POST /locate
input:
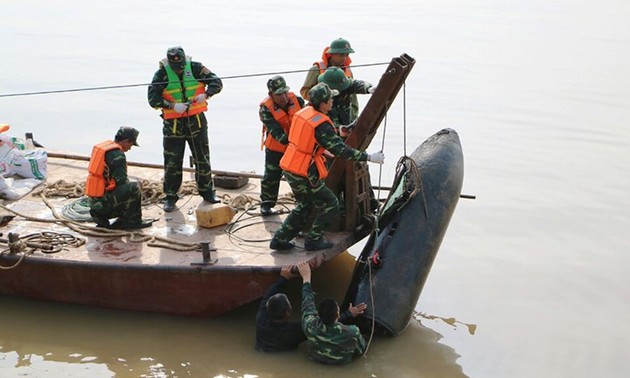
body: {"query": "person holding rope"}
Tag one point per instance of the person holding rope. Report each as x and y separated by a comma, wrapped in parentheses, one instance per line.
(312, 133)
(181, 88)
(276, 112)
(111, 194)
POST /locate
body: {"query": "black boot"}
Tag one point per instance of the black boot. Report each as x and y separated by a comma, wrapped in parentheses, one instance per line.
(211, 197)
(99, 220)
(169, 205)
(317, 244)
(280, 245)
(122, 225)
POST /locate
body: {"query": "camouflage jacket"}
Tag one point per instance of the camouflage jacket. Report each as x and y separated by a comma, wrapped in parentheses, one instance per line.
(343, 112)
(116, 162)
(330, 344)
(311, 81)
(328, 138)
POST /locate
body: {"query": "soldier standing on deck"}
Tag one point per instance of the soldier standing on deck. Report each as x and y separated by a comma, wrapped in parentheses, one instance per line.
(335, 55)
(180, 88)
(276, 112)
(304, 166)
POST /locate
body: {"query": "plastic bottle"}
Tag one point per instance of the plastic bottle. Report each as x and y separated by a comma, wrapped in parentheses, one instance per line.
(28, 142)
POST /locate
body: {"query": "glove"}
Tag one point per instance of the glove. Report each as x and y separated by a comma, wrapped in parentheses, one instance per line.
(180, 108)
(371, 90)
(377, 157)
(201, 98)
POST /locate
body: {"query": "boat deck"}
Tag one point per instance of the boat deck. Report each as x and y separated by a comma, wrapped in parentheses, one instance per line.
(247, 245)
(127, 270)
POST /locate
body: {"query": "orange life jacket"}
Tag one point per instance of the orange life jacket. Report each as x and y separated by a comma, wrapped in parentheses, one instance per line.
(303, 149)
(175, 93)
(323, 64)
(97, 184)
(283, 118)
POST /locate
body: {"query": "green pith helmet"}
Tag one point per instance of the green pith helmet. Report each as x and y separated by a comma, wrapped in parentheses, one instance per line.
(340, 46)
(335, 78)
(320, 94)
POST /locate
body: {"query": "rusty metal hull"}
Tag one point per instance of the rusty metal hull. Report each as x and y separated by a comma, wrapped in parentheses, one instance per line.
(172, 290)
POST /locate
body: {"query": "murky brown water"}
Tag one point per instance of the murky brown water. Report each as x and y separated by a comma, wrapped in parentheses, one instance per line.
(536, 266)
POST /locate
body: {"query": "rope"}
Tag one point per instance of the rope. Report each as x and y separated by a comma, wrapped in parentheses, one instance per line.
(152, 191)
(373, 328)
(248, 203)
(404, 118)
(132, 236)
(22, 257)
(105, 87)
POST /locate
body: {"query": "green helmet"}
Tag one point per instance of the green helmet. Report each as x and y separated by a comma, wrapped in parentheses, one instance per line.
(335, 78)
(340, 46)
(321, 93)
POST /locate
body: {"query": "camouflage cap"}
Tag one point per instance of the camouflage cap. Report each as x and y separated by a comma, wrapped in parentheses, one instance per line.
(335, 78)
(340, 46)
(277, 85)
(176, 57)
(127, 133)
(321, 93)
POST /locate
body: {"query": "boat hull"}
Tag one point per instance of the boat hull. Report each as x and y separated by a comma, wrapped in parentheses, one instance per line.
(395, 263)
(203, 292)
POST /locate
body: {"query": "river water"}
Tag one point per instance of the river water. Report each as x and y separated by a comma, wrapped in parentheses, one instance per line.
(532, 277)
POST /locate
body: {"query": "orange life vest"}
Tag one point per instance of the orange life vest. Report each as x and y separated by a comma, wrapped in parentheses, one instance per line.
(303, 149)
(323, 64)
(283, 118)
(97, 184)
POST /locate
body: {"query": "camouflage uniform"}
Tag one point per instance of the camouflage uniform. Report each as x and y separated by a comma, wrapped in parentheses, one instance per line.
(343, 111)
(312, 195)
(124, 201)
(352, 100)
(270, 183)
(179, 131)
(329, 344)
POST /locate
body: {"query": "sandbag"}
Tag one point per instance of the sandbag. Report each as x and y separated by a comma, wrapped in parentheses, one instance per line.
(14, 159)
(30, 163)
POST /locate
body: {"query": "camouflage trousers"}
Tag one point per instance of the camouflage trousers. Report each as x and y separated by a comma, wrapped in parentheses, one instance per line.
(270, 183)
(316, 201)
(196, 135)
(124, 201)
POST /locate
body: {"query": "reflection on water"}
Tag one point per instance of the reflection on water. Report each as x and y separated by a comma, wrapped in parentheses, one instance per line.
(56, 340)
(472, 328)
